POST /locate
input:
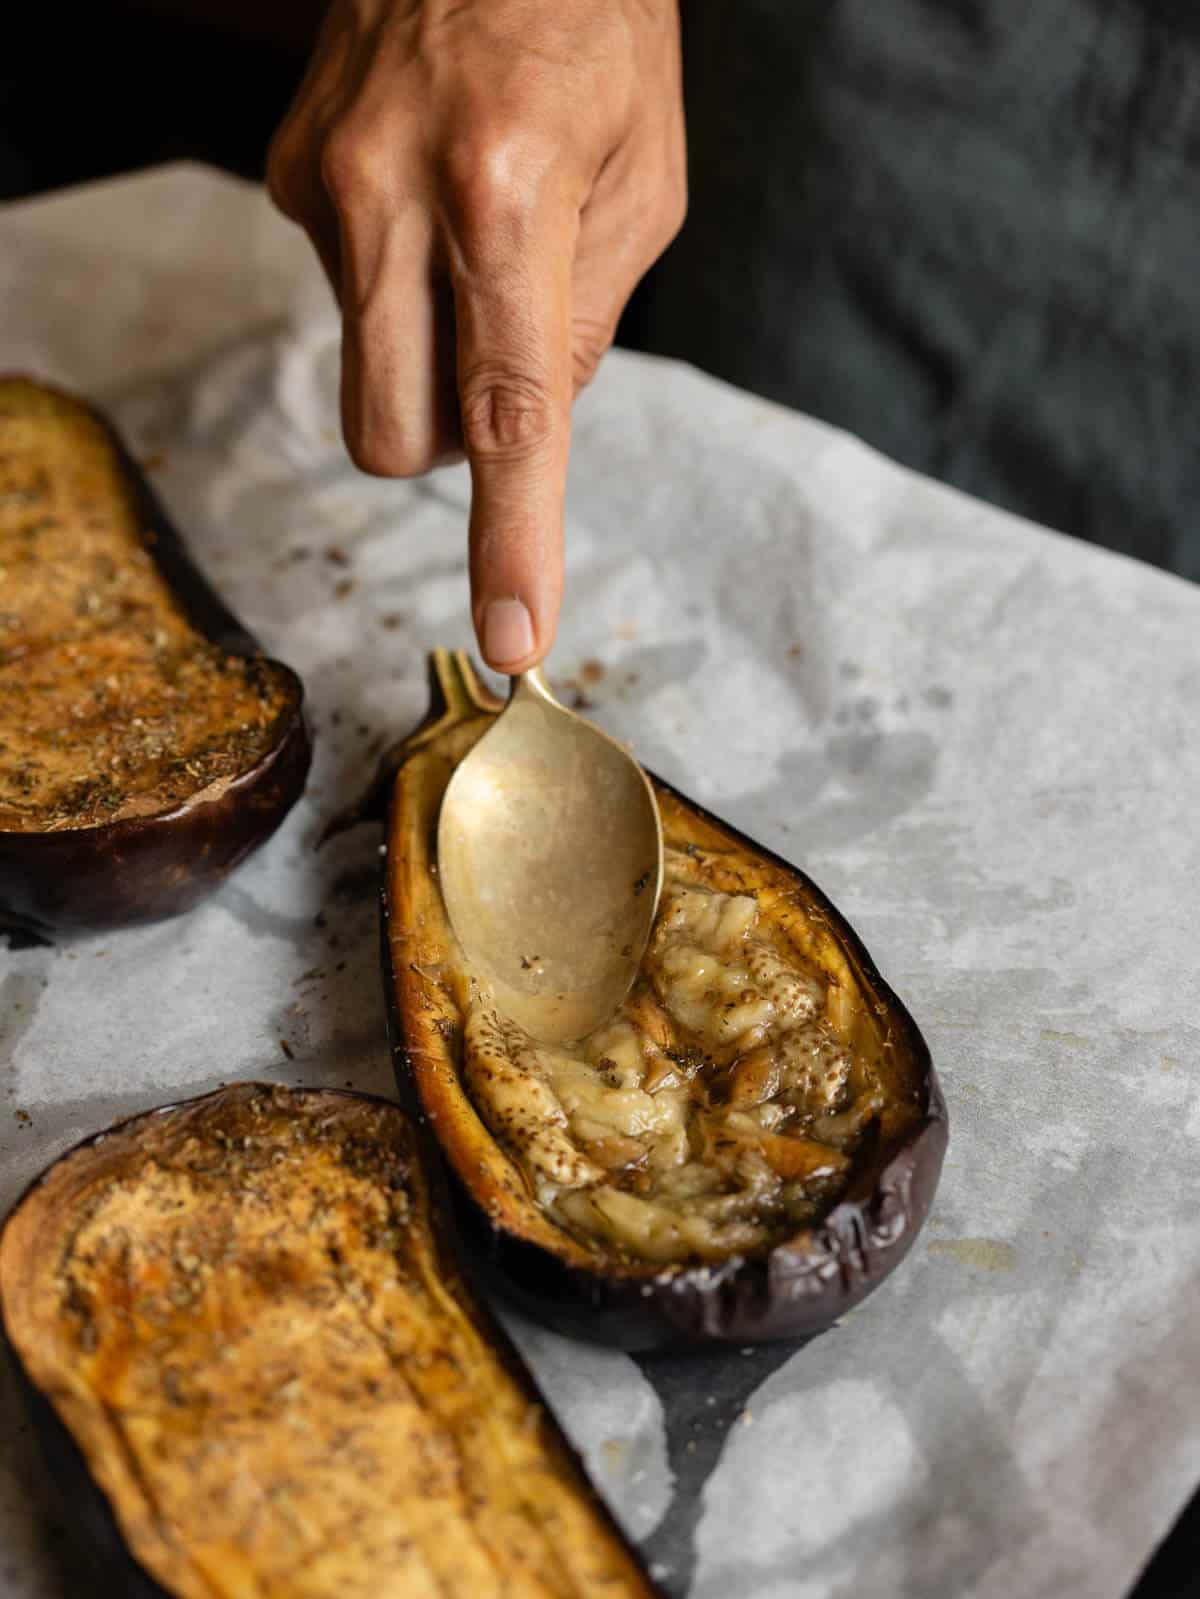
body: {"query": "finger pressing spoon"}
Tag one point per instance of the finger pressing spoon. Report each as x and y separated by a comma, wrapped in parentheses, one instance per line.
(550, 856)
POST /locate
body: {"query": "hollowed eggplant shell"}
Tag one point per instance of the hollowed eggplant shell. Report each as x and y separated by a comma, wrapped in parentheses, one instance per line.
(793, 1291)
(143, 869)
(109, 1504)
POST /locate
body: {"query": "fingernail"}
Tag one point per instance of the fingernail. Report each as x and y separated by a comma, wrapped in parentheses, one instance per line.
(507, 632)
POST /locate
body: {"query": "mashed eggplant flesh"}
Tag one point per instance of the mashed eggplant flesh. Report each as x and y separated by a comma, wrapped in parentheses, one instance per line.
(720, 1110)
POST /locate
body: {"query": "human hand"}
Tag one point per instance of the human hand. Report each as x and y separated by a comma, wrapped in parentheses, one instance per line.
(485, 181)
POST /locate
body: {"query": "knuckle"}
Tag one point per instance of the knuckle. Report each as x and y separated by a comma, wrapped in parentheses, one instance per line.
(350, 166)
(385, 455)
(492, 178)
(506, 415)
(383, 444)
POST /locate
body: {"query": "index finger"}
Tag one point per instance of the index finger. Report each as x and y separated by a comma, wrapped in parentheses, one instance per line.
(510, 266)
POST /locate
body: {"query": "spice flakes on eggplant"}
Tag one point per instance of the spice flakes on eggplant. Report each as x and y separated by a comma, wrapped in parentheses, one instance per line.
(244, 1312)
(744, 1153)
(112, 705)
(719, 1111)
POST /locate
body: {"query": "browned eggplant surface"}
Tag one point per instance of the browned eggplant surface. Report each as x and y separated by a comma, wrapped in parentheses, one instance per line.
(145, 744)
(743, 1152)
(244, 1313)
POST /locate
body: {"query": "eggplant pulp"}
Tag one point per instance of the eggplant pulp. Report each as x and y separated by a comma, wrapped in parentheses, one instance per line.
(786, 1130)
(146, 744)
(244, 1313)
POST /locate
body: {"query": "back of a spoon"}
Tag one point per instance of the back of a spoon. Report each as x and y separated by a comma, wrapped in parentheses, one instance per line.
(550, 858)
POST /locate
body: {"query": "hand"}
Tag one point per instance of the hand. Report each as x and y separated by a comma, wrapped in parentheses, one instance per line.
(485, 181)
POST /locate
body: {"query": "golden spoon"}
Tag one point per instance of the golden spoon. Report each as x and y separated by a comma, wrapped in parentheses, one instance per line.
(550, 856)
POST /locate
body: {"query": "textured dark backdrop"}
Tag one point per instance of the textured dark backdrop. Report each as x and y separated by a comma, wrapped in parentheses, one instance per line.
(967, 230)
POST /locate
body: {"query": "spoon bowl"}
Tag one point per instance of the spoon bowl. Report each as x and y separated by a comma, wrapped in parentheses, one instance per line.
(550, 858)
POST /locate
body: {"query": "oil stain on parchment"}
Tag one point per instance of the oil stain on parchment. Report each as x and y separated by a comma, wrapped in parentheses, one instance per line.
(986, 1254)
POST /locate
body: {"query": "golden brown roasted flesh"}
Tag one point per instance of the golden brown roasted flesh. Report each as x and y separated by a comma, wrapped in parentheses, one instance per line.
(112, 705)
(245, 1314)
(755, 1076)
(719, 1110)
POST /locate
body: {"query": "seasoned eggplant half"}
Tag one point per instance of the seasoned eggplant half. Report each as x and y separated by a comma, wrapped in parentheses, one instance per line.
(743, 1154)
(259, 1372)
(146, 744)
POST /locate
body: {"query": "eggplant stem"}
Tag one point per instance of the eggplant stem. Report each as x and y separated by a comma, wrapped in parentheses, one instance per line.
(456, 690)
(456, 695)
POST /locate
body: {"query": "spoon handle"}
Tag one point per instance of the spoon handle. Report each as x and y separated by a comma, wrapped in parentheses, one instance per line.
(531, 685)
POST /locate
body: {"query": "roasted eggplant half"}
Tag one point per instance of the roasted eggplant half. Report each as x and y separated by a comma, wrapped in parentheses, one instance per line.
(742, 1155)
(146, 744)
(258, 1371)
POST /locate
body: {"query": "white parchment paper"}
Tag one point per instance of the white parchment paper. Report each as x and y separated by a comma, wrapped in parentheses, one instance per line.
(978, 737)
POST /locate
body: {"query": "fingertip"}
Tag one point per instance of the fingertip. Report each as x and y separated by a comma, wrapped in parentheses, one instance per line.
(507, 635)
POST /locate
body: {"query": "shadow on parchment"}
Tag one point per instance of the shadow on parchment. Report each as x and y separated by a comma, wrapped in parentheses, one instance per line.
(964, 1447)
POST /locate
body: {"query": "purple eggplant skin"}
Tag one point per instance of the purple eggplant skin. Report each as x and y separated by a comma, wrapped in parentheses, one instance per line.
(96, 1541)
(792, 1292)
(145, 869)
(789, 1294)
(88, 879)
(785, 1296)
